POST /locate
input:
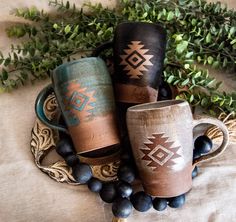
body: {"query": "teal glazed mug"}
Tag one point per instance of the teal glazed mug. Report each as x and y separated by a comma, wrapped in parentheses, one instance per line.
(84, 93)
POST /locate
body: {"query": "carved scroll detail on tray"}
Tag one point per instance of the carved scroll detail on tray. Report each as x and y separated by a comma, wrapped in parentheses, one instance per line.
(43, 140)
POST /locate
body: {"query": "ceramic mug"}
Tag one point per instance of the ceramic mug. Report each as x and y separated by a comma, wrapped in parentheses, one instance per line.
(84, 94)
(161, 136)
(138, 51)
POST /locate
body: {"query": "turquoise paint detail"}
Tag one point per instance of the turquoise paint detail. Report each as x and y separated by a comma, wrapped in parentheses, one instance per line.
(92, 75)
(39, 103)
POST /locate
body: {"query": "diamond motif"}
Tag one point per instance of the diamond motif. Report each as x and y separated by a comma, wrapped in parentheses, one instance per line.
(160, 155)
(78, 103)
(159, 152)
(135, 60)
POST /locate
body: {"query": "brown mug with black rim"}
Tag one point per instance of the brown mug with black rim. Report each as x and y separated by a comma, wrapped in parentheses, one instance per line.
(138, 51)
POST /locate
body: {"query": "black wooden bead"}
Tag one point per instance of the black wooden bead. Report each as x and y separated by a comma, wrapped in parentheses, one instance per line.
(124, 189)
(108, 192)
(164, 92)
(159, 204)
(177, 202)
(71, 160)
(122, 208)
(125, 157)
(202, 145)
(95, 185)
(82, 173)
(196, 154)
(141, 201)
(195, 172)
(65, 147)
(126, 173)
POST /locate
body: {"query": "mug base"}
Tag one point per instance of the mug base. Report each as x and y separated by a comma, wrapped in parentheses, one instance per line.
(166, 184)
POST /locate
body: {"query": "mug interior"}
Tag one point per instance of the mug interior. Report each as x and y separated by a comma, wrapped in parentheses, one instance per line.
(157, 105)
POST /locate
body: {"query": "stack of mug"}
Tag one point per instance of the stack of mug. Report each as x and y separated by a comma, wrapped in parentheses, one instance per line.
(160, 132)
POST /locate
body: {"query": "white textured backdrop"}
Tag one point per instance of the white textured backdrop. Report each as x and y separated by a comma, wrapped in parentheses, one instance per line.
(28, 195)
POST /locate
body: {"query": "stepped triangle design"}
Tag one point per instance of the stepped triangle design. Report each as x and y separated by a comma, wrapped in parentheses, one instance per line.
(159, 152)
(135, 59)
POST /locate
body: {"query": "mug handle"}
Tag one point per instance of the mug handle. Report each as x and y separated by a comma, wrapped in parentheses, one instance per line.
(106, 45)
(39, 104)
(209, 120)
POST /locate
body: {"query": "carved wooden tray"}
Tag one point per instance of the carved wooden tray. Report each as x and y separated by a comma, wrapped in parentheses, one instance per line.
(44, 139)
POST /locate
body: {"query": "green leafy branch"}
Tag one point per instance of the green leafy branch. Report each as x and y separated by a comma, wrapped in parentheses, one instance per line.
(198, 32)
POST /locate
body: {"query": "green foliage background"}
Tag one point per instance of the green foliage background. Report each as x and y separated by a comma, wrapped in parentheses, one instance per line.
(198, 32)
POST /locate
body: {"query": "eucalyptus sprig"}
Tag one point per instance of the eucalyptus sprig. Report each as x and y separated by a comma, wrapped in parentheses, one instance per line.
(199, 32)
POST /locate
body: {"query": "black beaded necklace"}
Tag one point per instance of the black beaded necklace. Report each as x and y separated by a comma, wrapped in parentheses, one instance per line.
(120, 193)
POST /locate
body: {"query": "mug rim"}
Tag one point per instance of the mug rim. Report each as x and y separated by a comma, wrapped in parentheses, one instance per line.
(74, 62)
(159, 105)
(154, 24)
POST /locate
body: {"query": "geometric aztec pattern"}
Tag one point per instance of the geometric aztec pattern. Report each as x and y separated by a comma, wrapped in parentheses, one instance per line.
(159, 153)
(135, 59)
(78, 102)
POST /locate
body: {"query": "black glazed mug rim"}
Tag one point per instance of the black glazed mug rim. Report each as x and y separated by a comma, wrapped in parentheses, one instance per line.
(157, 25)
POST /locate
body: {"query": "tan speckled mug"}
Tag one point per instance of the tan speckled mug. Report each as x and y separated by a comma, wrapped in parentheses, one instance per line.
(161, 136)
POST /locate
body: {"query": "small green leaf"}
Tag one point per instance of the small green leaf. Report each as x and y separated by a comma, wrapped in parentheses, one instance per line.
(189, 55)
(185, 82)
(73, 35)
(225, 62)
(100, 33)
(232, 30)
(67, 5)
(177, 12)
(198, 74)
(211, 82)
(191, 98)
(214, 98)
(145, 15)
(170, 79)
(194, 22)
(215, 64)
(210, 60)
(186, 66)
(4, 74)
(233, 41)
(170, 16)
(76, 29)
(221, 46)
(178, 37)
(7, 61)
(67, 29)
(222, 102)
(204, 102)
(208, 38)
(15, 56)
(181, 47)
(199, 59)
(176, 82)
(55, 26)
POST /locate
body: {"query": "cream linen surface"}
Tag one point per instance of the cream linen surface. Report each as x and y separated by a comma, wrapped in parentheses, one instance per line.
(28, 195)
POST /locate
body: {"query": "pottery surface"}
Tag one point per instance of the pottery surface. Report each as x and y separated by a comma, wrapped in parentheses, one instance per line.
(84, 93)
(161, 136)
(139, 51)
